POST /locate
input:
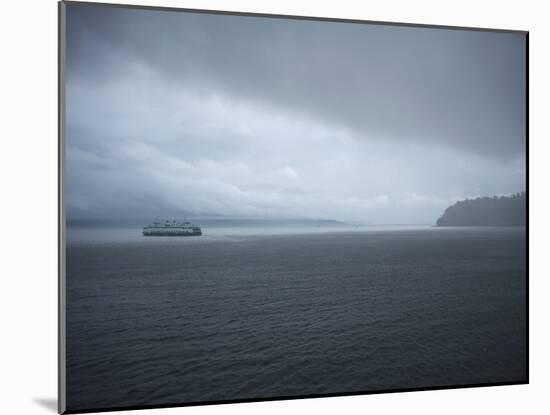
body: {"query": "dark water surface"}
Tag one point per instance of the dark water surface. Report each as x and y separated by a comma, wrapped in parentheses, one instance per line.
(174, 321)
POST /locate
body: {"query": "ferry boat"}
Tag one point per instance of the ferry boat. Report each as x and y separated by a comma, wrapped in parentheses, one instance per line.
(171, 228)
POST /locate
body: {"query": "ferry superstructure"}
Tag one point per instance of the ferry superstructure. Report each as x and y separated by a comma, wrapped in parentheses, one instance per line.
(172, 228)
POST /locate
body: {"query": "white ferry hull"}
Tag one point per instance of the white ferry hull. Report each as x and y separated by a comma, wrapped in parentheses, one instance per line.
(163, 232)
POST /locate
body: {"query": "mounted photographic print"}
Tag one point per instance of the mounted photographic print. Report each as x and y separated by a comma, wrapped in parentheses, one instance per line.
(258, 207)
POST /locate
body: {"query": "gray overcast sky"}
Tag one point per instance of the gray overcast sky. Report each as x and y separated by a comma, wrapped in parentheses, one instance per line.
(171, 113)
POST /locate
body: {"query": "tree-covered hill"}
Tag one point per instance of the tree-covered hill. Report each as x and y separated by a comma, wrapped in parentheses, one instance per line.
(487, 211)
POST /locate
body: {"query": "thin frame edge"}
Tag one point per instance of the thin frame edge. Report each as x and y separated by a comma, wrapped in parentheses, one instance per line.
(291, 17)
(61, 378)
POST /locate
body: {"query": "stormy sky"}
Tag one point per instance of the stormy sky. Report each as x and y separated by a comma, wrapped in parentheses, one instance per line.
(176, 113)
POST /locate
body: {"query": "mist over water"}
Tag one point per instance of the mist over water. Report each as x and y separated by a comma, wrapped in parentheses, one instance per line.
(105, 234)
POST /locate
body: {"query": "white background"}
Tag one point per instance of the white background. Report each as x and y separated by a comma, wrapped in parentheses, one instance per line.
(28, 163)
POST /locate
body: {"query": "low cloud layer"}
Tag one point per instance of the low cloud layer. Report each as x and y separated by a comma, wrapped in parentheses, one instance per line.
(172, 113)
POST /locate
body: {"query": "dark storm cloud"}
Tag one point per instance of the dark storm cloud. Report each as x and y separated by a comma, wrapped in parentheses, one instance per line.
(463, 89)
(174, 113)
